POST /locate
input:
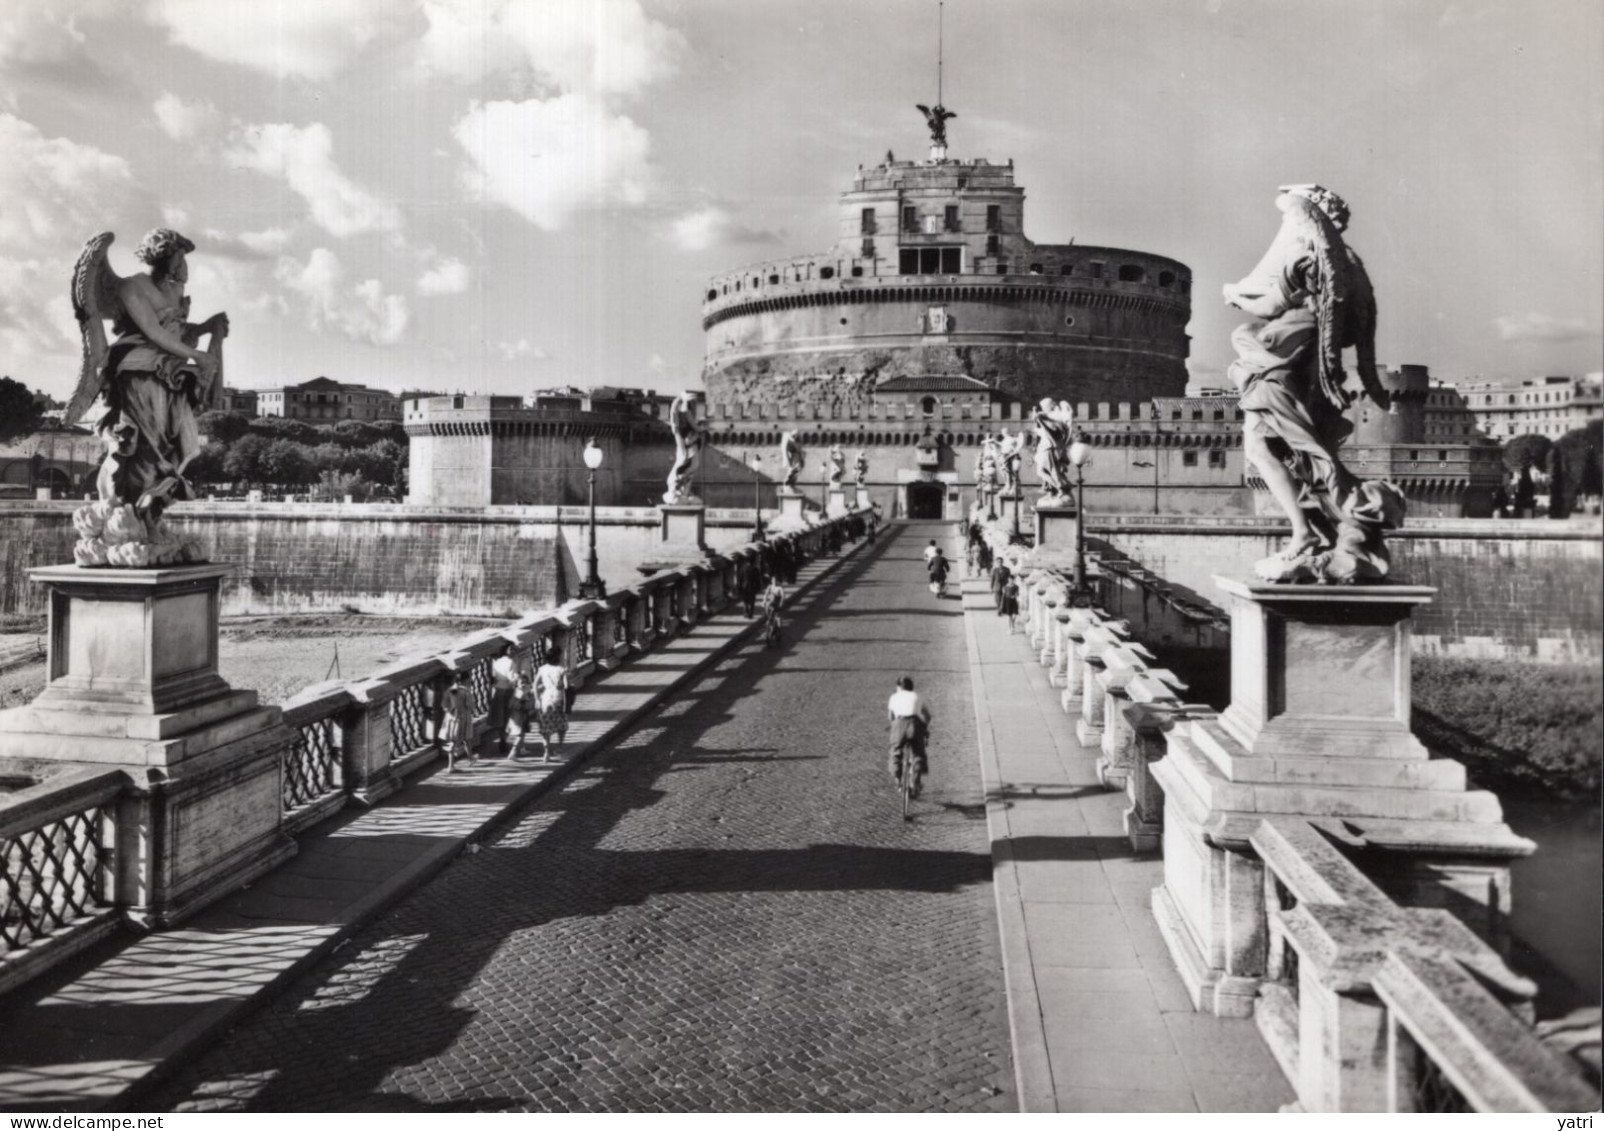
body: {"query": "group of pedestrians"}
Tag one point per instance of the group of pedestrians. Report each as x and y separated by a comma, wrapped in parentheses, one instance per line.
(521, 701)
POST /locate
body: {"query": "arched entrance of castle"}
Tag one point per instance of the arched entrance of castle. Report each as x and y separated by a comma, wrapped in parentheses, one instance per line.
(926, 500)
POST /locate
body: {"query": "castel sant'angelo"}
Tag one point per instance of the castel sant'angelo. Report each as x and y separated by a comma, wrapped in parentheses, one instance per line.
(933, 275)
(933, 323)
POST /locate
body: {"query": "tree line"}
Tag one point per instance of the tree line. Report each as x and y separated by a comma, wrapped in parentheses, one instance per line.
(352, 457)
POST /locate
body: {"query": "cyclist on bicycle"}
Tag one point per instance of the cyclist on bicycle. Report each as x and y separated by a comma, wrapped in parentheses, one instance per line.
(771, 601)
(910, 723)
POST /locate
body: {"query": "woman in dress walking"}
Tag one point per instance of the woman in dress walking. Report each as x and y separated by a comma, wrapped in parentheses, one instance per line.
(551, 700)
(456, 729)
(1008, 606)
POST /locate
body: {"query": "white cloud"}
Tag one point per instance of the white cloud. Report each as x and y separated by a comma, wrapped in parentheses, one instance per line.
(713, 227)
(546, 159)
(360, 311)
(44, 31)
(57, 194)
(182, 120)
(303, 157)
(446, 277)
(311, 39)
(599, 47)
(1541, 328)
(512, 351)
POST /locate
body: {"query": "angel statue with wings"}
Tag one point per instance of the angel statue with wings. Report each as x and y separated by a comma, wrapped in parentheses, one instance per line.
(154, 379)
(936, 117)
(1311, 298)
(1010, 449)
(860, 468)
(791, 458)
(838, 465)
(687, 443)
(1055, 427)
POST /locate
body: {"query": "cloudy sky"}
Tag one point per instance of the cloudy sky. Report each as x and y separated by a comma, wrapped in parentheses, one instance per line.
(495, 195)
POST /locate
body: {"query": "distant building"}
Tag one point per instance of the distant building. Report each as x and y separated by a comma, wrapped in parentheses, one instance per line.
(241, 401)
(1548, 407)
(326, 401)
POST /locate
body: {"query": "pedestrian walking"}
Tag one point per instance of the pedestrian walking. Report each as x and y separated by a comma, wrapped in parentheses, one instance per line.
(551, 701)
(930, 552)
(1009, 606)
(999, 578)
(521, 714)
(751, 585)
(503, 681)
(938, 569)
(456, 728)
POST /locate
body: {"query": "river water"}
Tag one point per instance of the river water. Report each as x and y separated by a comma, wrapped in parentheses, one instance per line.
(1559, 900)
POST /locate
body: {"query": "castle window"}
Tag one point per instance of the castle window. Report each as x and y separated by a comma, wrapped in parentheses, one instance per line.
(950, 219)
(868, 249)
(857, 272)
(1197, 414)
(910, 218)
(1166, 278)
(928, 406)
(773, 279)
(1035, 268)
(866, 222)
(1175, 414)
(930, 261)
(963, 183)
(1189, 458)
(1131, 273)
(1067, 269)
(1002, 268)
(826, 272)
(1216, 458)
(712, 294)
(1219, 414)
(1097, 270)
(993, 217)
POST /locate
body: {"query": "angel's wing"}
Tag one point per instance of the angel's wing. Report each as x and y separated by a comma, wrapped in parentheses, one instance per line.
(1362, 330)
(922, 108)
(94, 299)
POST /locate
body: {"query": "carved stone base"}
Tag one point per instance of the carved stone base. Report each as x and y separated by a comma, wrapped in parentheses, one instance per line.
(133, 686)
(863, 498)
(1318, 728)
(837, 505)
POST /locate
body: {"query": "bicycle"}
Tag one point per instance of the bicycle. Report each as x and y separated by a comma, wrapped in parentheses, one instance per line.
(771, 628)
(908, 781)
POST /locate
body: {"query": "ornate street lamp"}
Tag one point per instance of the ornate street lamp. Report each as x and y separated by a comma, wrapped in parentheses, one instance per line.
(592, 587)
(824, 489)
(756, 464)
(1080, 455)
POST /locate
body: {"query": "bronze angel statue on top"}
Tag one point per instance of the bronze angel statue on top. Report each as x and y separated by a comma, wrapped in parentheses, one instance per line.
(1311, 298)
(936, 117)
(154, 379)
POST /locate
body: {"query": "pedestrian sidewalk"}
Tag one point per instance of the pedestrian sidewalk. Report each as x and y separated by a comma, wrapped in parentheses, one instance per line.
(101, 1029)
(1100, 1019)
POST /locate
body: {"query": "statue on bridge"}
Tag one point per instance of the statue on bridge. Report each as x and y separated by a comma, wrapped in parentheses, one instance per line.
(860, 467)
(154, 380)
(986, 470)
(1055, 428)
(791, 459)
(1011, 449)
(1311, 298)
(838, 465)
(687, 444)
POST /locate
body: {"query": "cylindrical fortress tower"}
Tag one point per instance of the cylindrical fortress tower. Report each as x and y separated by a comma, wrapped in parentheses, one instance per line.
(933, 275)
(1405, 421)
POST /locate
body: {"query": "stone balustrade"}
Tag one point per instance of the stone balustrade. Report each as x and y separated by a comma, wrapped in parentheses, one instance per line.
(74, 842)
(1370, 1006)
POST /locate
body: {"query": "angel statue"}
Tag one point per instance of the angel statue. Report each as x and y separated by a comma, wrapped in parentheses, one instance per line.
(791, 457)
(687, 443)
(986, 469)
(154, 379)
(936, 117)
(1311, 298)
(1055, 427)
(860, 468)
(1010, 447)
(838, 465)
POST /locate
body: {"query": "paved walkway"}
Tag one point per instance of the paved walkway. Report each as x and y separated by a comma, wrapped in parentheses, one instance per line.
(723, 911)
(1100, 1019)
(98, 1030)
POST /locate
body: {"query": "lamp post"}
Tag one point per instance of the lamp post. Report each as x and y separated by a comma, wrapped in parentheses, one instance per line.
(756, 464)
(592, 587)
(824, 489)
(1079, 455)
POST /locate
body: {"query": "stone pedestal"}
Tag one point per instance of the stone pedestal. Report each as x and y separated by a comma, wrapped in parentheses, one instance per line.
(133, 685)
(793, 513)
(682, 537)
(1056, 527)
(1318, 727)
(837, 505)
(863, 498)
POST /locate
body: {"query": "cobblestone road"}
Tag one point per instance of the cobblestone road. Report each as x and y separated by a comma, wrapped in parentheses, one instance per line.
(722, 912)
